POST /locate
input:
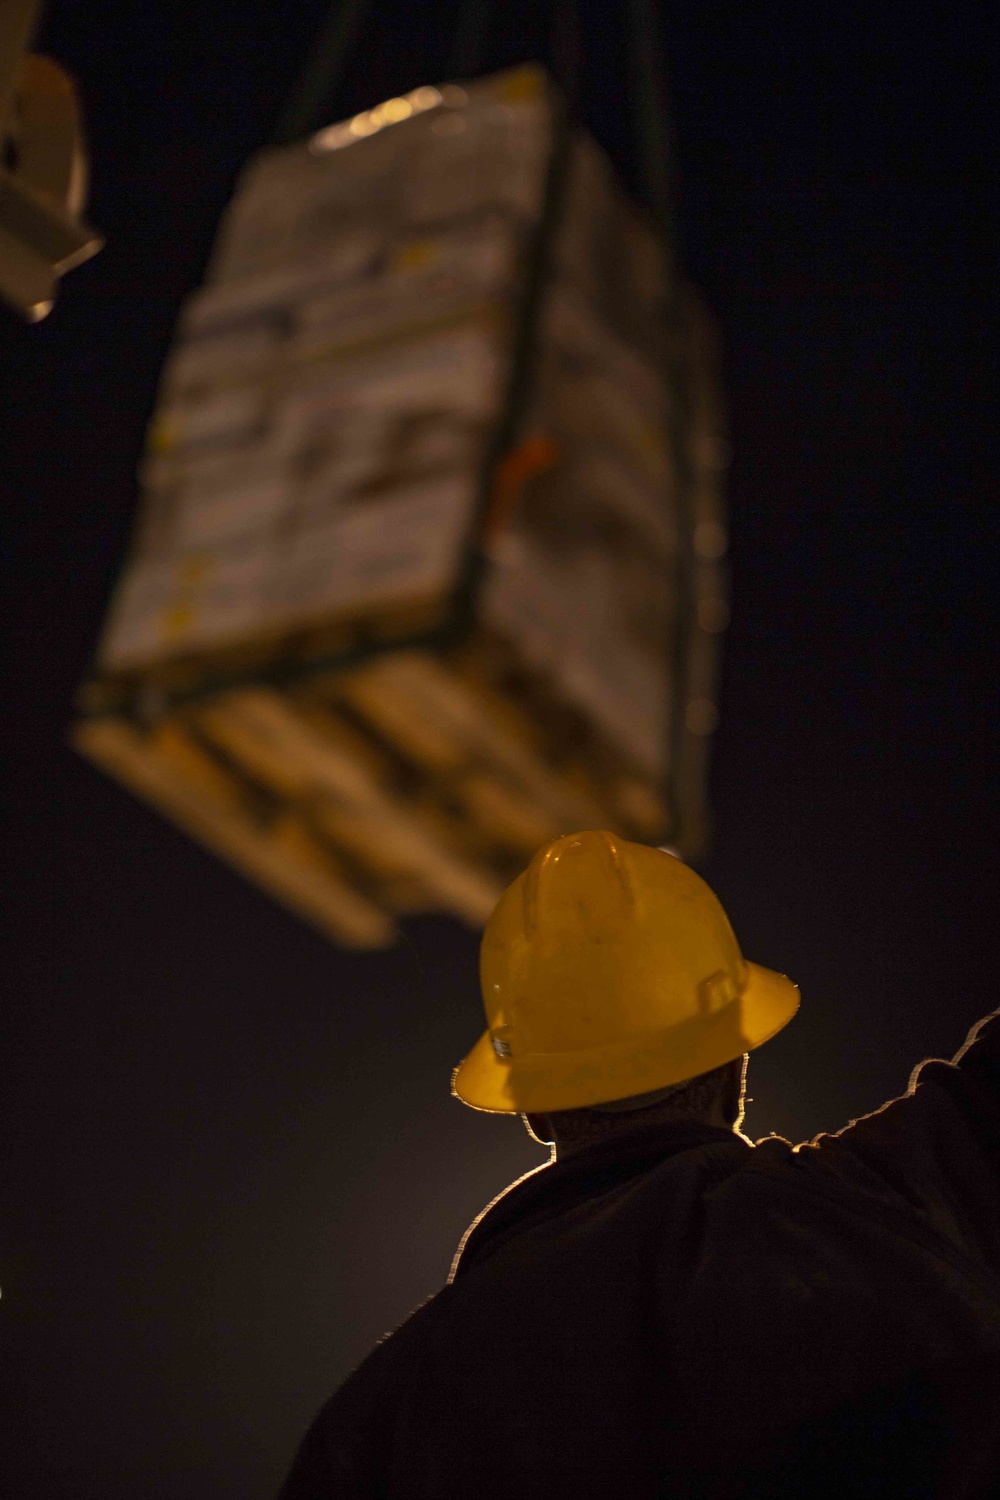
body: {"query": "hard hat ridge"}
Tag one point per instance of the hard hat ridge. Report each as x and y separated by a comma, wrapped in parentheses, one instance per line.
(553, 875)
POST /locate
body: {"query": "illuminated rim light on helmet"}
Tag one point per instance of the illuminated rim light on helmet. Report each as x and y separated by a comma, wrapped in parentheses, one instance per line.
(390, 112)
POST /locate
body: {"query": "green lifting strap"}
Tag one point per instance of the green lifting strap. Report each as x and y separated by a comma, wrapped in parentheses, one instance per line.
(652, 125)
(323, 75)
(472, 28)
(566, 45)
(654, 143)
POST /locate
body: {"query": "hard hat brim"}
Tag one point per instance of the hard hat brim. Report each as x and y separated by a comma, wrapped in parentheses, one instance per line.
(539, 1082)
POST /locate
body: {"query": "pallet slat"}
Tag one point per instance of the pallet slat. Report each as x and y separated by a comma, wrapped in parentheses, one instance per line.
(183, 783)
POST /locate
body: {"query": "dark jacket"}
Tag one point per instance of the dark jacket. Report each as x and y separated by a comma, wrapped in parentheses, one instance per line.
(678, 1312)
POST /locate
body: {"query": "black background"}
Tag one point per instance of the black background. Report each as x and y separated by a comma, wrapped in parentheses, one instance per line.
(230, 1158)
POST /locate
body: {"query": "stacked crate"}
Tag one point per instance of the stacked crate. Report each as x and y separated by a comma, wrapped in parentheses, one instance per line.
(415, 585)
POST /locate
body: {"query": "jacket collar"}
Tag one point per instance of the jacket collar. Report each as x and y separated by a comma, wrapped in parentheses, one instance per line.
(555, 1185)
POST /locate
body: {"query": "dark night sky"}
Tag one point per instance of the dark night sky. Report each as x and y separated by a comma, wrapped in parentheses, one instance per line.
(230, 1159)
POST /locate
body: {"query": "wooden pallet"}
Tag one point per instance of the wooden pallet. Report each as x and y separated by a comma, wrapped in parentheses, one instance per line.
(402, 785)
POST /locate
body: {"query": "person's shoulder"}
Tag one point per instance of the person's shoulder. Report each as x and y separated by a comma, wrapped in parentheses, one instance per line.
(388, 1363)
(343, 1451)
(394, 1344)
(928, 1157)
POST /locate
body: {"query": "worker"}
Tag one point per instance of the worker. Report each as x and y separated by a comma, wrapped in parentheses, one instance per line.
(666, 1309)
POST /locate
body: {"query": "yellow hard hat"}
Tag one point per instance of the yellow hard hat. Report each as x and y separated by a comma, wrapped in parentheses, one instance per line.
(610, 969)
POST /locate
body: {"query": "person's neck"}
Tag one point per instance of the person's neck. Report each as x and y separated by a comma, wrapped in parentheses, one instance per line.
(572, 1142)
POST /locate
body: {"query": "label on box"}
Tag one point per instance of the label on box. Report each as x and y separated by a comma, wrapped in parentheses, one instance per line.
(406, 546)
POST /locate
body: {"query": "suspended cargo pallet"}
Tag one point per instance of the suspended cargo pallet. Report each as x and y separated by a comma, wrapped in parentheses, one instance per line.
(428, 562)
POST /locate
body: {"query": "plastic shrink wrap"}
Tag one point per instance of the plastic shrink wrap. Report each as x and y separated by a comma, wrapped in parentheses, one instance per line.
(427, 567)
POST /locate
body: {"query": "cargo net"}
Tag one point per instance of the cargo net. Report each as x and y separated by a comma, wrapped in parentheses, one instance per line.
(421, 576)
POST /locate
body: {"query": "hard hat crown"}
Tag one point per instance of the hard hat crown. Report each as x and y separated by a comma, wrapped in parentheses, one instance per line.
(610, 969)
